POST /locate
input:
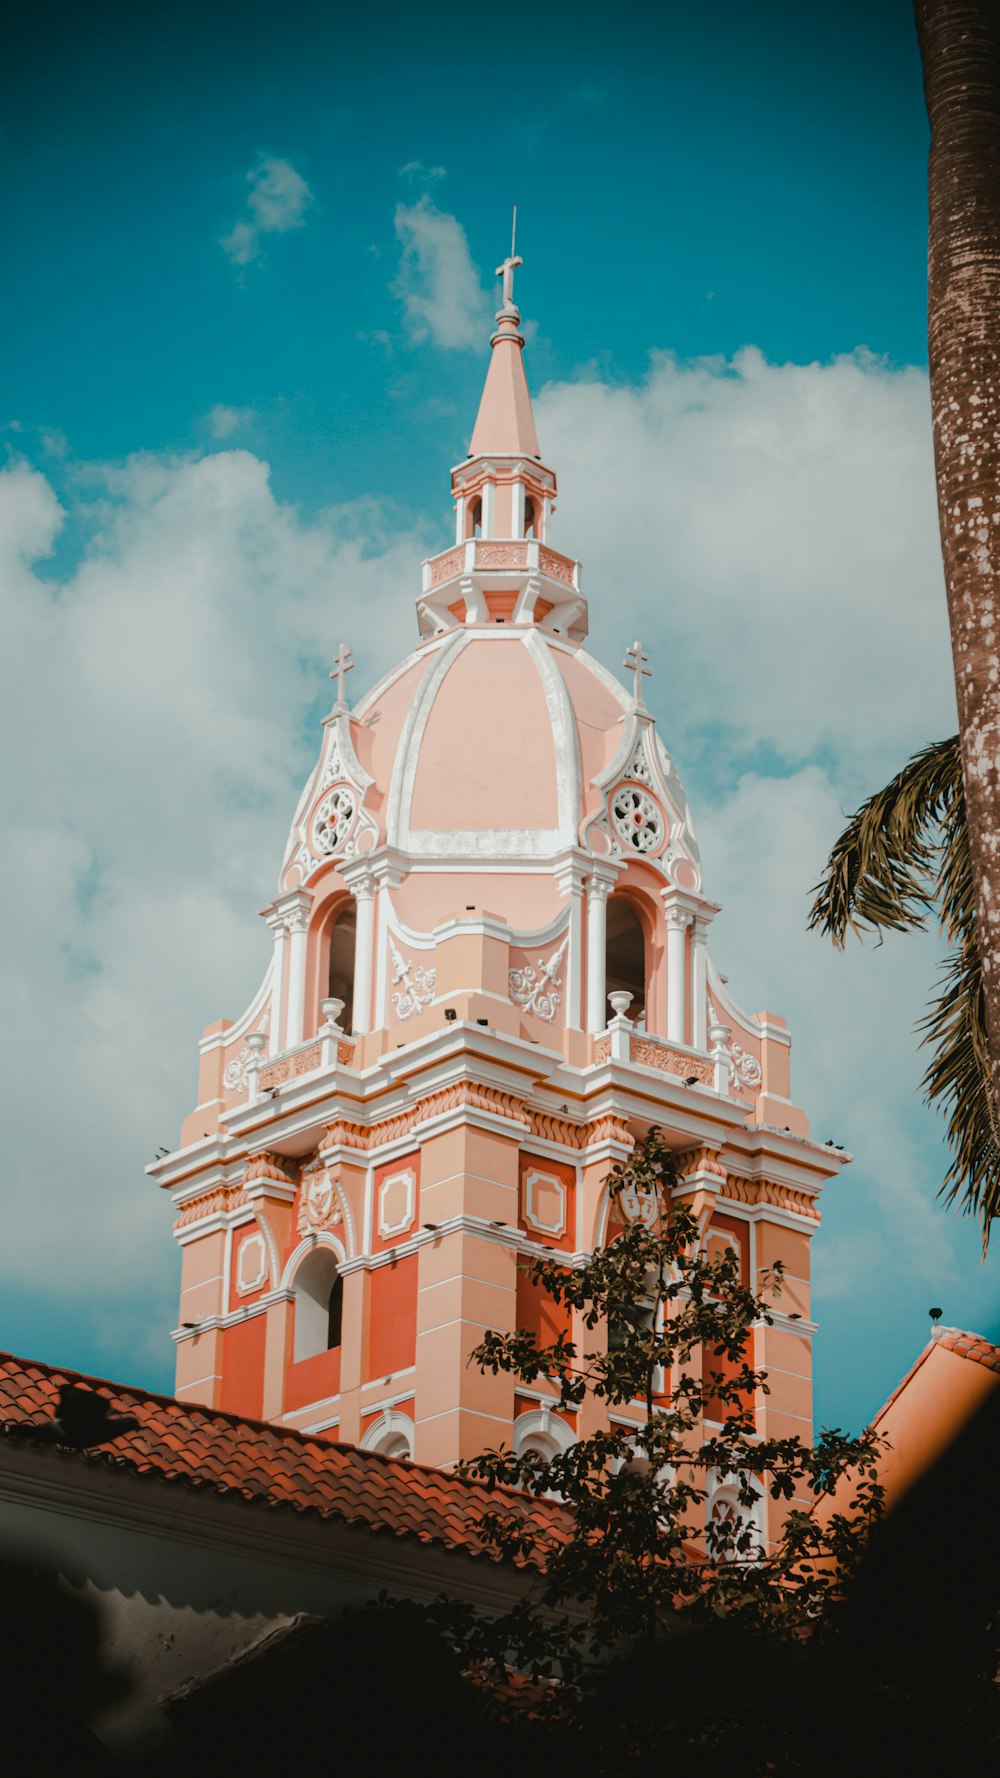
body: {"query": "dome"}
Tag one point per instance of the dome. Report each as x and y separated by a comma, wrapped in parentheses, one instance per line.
(493, 742)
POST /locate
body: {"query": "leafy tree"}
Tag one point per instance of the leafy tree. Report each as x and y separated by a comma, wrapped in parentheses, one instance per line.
(631, 1558)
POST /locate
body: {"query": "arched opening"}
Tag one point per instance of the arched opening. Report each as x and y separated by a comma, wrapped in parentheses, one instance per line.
(335, 1313)
(530, 523)
(340, 975)
(391, 1435)
(319, 1305)
(474, 518)
(625, 956)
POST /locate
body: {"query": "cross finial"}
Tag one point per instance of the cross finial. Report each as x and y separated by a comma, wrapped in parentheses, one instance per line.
(635, 659)
(506, 270)
(342, 665)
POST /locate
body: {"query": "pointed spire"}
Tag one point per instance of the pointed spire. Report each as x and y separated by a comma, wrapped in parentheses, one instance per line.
(505, 425)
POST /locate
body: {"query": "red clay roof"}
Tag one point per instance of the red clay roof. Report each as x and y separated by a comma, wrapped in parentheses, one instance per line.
(271, 1465)
(950, 1339)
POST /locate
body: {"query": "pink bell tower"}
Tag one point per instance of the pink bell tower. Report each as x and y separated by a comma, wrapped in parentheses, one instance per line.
(489, 975)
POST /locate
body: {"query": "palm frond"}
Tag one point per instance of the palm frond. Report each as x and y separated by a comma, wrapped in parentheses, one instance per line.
(904, 855)
(882, 872)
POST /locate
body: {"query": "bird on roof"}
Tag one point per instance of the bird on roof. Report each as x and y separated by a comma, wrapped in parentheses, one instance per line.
(83, 1419)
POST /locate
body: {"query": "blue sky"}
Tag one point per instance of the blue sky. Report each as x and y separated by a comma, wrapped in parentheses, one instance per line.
(247, 295)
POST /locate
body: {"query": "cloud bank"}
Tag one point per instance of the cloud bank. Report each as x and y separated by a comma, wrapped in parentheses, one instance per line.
(768, 530)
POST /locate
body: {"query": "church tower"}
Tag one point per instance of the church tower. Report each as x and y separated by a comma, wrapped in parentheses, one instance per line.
(490, 974)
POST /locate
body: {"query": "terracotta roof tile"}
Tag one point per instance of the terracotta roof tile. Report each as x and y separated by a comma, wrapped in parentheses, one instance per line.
(274, 1466)
(951, 1339)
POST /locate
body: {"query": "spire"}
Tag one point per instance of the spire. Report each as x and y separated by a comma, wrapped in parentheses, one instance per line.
(505, 425)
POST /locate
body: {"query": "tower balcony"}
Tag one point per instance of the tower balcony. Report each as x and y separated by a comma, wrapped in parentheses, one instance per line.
(497, 580)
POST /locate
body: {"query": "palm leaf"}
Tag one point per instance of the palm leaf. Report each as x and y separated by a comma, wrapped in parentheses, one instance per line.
(905, 855)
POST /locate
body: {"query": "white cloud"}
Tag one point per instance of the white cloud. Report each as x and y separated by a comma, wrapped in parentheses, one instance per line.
(437, 282)
(770, 532)
(155, 698)
(418, 174)
(773, 532)
(278, 201)
(224, 421)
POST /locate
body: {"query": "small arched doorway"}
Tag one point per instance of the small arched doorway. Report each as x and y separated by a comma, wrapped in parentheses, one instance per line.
(319, 1305)
(340, 974)
(625, 956)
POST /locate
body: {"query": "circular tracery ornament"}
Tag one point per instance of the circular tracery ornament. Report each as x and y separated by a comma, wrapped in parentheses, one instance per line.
(637, 819)
(332, 821)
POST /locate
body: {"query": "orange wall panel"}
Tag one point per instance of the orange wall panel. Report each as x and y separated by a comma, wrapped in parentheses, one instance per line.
(392, 1328)
(537, 1314)
(565, 1238)
(312, 1379)
(409, 1163)
(242, 1367)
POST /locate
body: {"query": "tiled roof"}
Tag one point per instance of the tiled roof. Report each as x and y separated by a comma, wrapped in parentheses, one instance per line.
(970, 1345)
(949, 1339)
(204, 1448)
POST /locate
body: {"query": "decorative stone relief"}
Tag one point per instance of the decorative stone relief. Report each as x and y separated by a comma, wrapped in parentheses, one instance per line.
(333, 820)
(447, 565)
(637, 819)
(744, 1066)
(396, 1203)
(501, 555)
(532, 988)
(319, 1205)
(656, 1055)
(556, 566)
(418, 986)
(251, 1264)
(637, 1205)
(234, 1076)
(544, 1203)
(290, 1067)
(744, 1069)
(638, 765)
(334, 767)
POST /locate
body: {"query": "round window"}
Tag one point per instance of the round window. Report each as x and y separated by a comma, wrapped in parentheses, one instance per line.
(637, 819)
(332, 821)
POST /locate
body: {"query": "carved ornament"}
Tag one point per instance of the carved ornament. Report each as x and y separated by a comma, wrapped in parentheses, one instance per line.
(532, 989)
(290, 1067)
(656, 1055)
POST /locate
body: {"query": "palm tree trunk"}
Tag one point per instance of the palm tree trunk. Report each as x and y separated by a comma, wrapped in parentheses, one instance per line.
(960, 47)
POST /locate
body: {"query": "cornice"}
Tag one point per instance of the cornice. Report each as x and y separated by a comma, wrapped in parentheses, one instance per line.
(61, 1483)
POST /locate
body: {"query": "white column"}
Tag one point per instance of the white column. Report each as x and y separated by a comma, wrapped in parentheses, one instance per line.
(298, 925)
(364, 950)
(678, 922)
(517, 520)
(597, 935)
(574, 974)
(277, 1022)
(569, 878)
(699, 985)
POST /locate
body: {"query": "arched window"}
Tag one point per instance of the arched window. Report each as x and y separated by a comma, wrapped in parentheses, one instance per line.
(474, 518)
(391, 1434)
(335, 1313)
(625, 960)
(319, 1299)
(734, 1530)
(542, 1432)
(341, 970)
(529, 518)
